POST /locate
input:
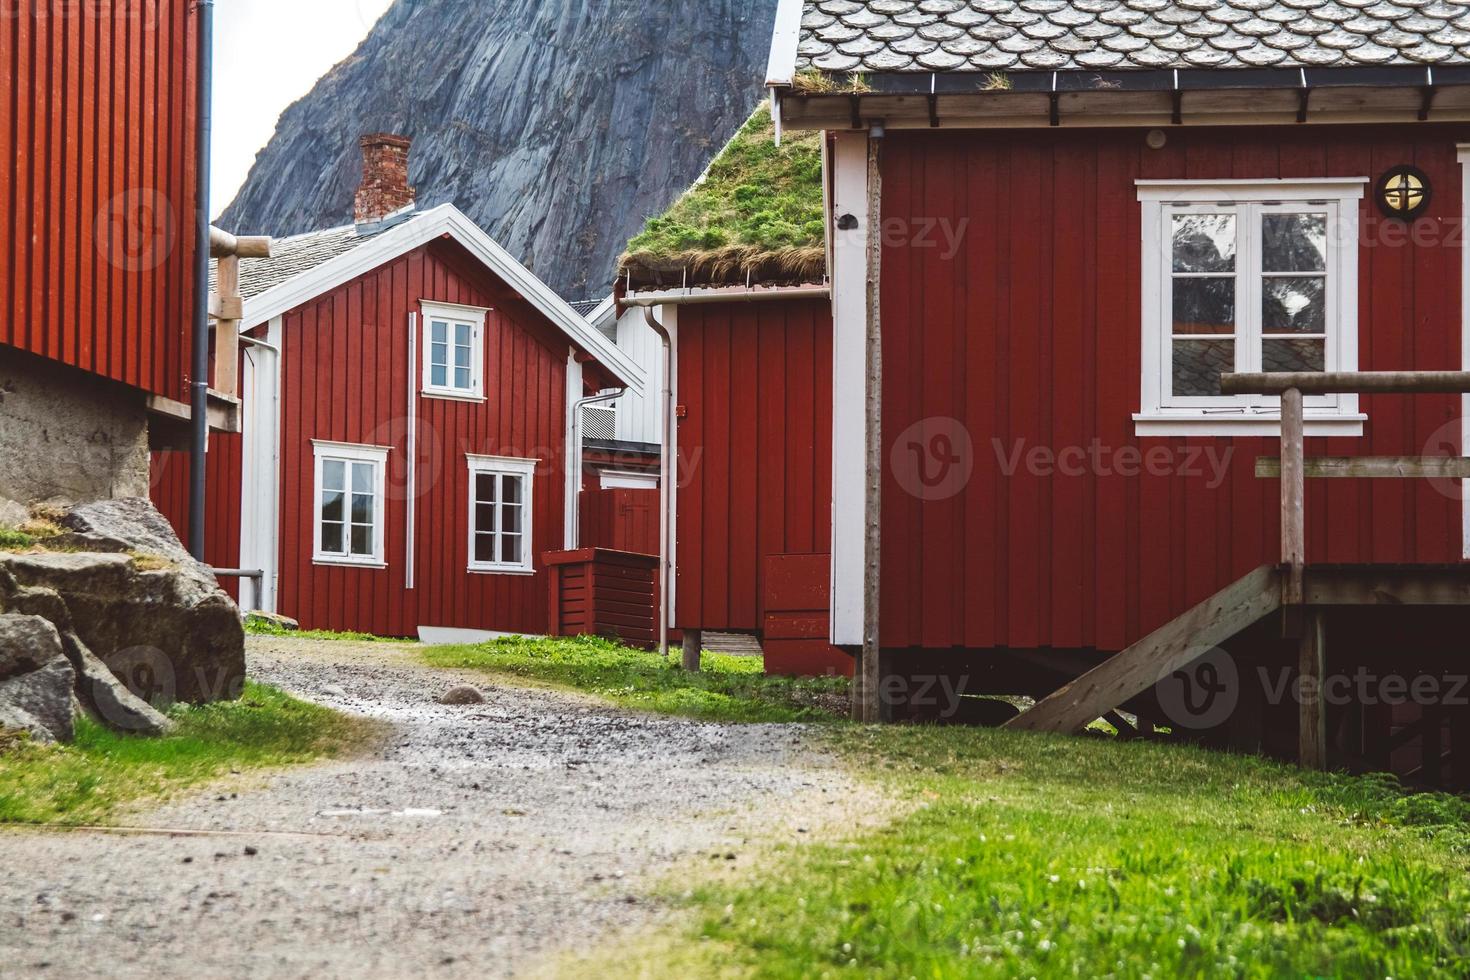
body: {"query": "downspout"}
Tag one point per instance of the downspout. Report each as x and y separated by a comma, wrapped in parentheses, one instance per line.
(575, 464)
(665, 469)
(199, 380)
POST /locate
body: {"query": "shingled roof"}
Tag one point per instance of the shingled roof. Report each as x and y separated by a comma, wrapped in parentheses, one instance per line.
(1113, 35)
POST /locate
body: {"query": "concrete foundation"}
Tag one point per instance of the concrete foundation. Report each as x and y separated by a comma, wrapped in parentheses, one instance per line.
(66, 436)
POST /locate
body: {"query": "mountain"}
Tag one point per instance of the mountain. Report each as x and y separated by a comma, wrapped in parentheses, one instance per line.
(559, 126)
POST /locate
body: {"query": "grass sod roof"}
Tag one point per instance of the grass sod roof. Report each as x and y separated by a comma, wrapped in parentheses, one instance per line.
(754, 216)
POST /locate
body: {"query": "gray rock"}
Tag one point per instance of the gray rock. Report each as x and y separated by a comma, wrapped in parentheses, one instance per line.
(131, 522)
(37, 700)
(106, 698)
(12, 514)
(557, 126)
(257, 616)
(168, 634)
(461, 695)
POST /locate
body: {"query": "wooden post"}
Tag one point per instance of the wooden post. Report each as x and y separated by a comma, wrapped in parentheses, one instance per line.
(867, 699)
(693, 644)
(1312, 711)
(1293, 506)
(227, 326)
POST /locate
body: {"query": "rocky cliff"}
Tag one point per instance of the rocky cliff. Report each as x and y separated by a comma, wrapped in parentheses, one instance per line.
(557, 125)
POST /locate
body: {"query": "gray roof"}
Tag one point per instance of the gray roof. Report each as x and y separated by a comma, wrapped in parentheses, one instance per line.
(1108, 35)
(290, 257)
(585, 307)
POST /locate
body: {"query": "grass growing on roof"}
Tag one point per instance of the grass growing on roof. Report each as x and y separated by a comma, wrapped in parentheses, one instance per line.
(84, 782)
(756, 202)
(726, 688)
(1044, 856)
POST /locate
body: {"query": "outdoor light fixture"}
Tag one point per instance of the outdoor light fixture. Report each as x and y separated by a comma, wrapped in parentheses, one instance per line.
(1403, 192)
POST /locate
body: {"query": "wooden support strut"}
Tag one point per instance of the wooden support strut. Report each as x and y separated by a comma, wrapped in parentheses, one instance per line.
(1374, 467)
(1293, 506)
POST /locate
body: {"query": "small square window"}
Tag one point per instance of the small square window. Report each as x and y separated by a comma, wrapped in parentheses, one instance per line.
(454, 351)
(349, 503)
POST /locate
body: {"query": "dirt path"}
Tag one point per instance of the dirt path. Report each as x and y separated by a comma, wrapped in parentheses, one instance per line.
(476, 841)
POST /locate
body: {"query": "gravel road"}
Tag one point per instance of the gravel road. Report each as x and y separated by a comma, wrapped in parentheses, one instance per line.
(474, 841)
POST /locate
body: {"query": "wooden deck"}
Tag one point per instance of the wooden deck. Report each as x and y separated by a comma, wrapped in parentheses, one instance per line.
(1372, 675)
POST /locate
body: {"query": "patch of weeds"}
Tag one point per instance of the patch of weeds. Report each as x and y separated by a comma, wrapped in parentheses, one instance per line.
(264, 627)
(725, 689)
(85, 781)
(996, 81)
(16, 540)
(150, 563)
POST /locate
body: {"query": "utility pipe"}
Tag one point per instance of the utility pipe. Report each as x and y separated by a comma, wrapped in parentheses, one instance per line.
(576, 462)
(199, 380)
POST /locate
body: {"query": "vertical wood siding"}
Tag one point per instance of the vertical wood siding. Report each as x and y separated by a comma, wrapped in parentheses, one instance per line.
(1030, 336)
(97, 152)
(345, 380)
(755, 452)
(169, 490)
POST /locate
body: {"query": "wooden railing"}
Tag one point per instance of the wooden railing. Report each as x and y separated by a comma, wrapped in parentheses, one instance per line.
(1293, 467)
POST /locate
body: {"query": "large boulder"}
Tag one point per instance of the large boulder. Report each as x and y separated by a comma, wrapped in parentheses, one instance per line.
(36, 679)
(165, 629)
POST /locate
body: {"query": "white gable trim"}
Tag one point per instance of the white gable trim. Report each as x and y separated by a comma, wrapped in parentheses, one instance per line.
(785, 38)
(446, 219)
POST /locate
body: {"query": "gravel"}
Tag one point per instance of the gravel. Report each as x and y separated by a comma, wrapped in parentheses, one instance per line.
(482, 839)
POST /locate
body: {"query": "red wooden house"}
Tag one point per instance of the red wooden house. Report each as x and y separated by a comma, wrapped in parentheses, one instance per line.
(407, 389)
(97, 244)
(1055, 228)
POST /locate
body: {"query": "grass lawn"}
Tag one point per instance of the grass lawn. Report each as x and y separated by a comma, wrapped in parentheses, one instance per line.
(1040, 856)
(726, 689)
(84, 782)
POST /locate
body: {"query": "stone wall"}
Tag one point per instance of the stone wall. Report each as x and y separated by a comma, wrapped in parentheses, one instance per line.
(66, 436)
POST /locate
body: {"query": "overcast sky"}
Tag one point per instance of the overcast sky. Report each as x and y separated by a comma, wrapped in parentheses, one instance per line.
(268, 54)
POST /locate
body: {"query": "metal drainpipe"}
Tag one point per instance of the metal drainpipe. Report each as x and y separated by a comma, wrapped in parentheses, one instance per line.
(576, 461)
(665, 469)
(199, 381)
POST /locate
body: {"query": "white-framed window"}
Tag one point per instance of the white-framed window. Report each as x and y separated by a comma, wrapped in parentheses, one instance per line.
(348, 503)
(454, 351)
(1246, 276)
(500, 513)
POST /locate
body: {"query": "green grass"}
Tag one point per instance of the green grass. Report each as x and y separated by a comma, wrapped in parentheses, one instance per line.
(726, 689)
(84, 782)
(1037, 856)
(755, 194)
(261, 627)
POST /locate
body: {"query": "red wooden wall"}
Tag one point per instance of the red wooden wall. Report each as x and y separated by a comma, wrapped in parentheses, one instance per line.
(1032, 332)
(169, 490)
(345, 379)
(755, 452)
(621, 519)
(97, 158)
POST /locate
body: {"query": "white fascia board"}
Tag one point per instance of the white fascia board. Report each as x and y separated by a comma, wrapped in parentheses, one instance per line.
(605, 316)
(785, 37)
(446, 219)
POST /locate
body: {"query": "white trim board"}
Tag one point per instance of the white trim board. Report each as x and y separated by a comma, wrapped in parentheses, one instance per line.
(849, 161)
(1463, 154)
(444, 220)
(785, 38)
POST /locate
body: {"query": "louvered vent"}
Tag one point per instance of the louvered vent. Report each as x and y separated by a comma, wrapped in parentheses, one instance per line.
(599, 422)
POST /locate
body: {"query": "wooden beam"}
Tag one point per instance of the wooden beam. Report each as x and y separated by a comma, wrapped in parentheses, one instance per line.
(1373, 467)
(1293, 496)
(1385, 586)
(227, 328)
(1172, 646)
(1311, 708)
(693, 644)
(1348, 382)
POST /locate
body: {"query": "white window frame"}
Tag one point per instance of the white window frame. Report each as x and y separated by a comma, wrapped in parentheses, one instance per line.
(350, 453)
(1161, 412)
(454, 315)
(503, 466)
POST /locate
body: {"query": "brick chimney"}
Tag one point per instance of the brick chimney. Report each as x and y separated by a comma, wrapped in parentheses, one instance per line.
(384, 189)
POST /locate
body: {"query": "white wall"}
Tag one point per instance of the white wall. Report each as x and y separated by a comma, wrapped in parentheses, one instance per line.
(639, 419)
